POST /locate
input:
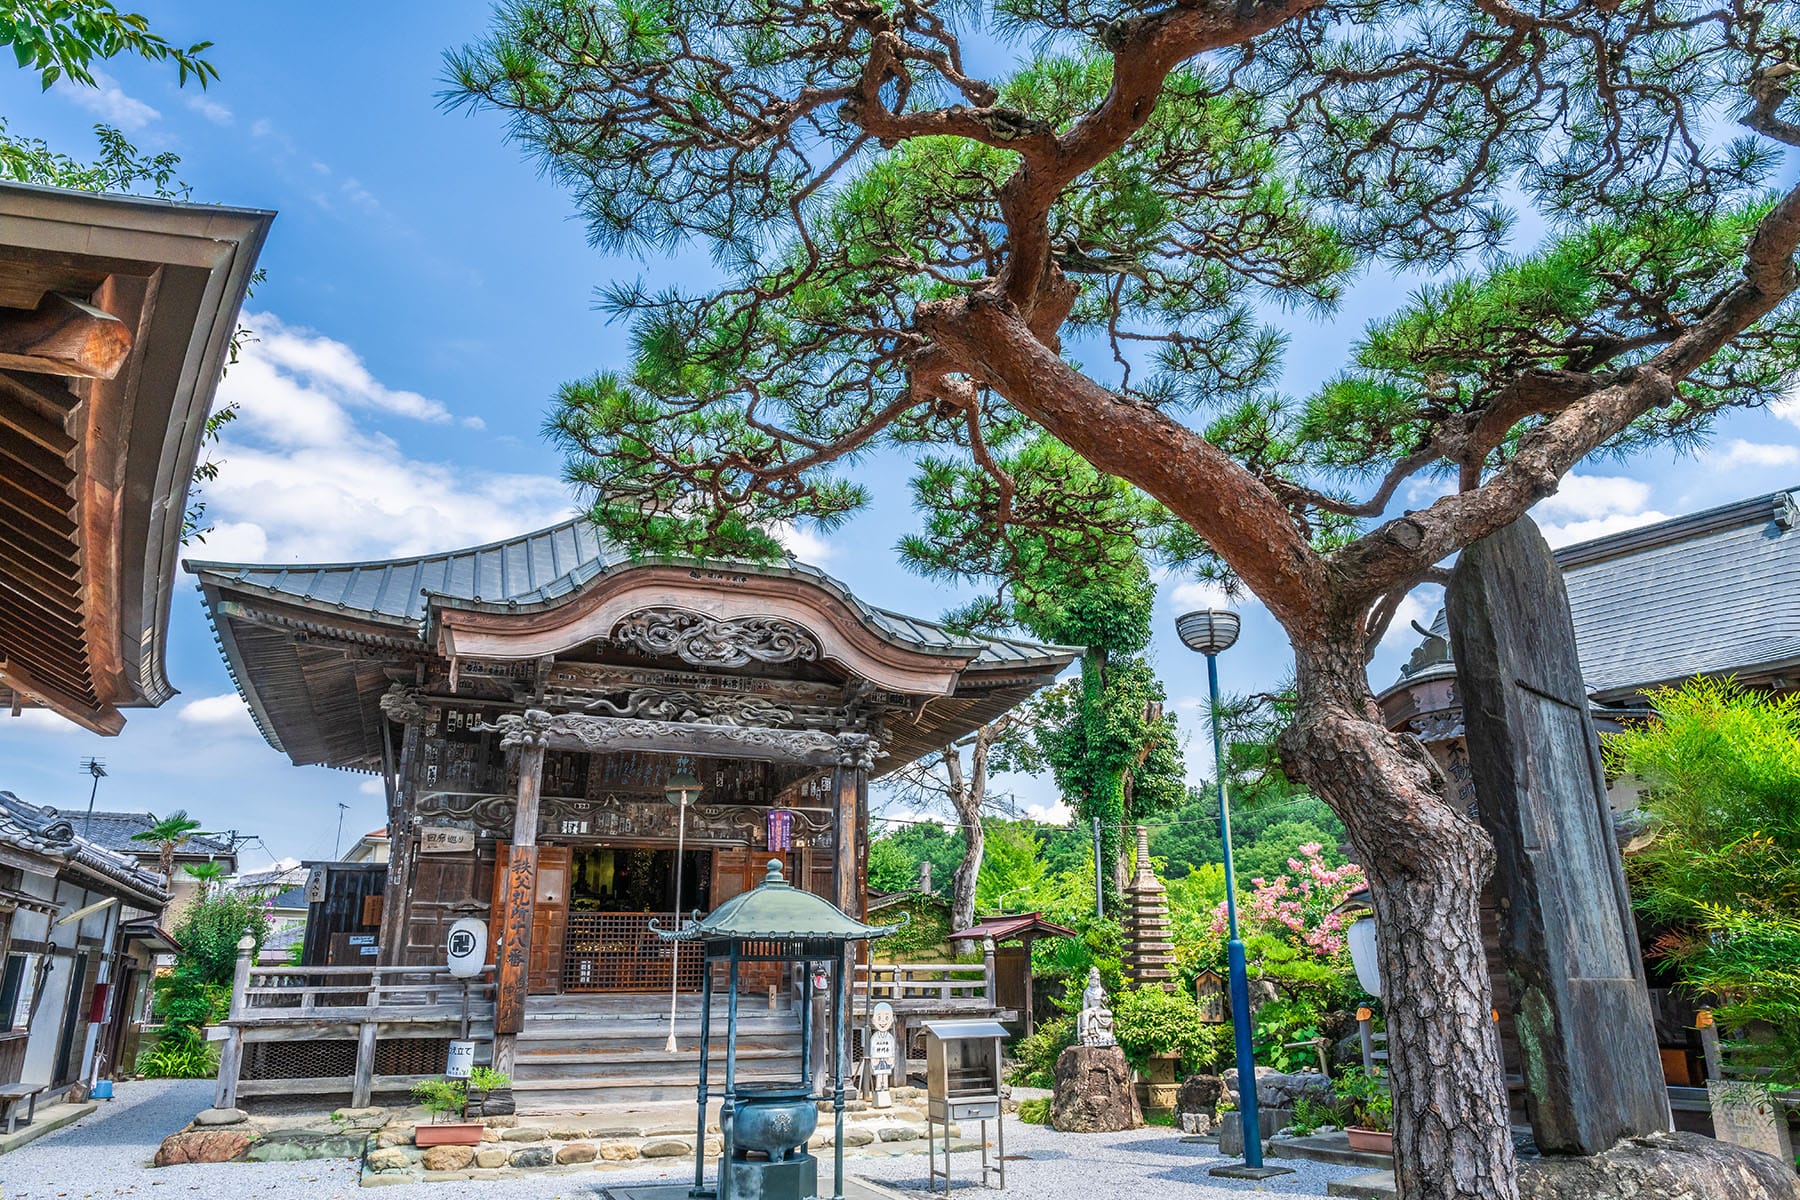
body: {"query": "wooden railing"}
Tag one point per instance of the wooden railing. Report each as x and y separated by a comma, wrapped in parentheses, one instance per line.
(924, 985)
(355, 993)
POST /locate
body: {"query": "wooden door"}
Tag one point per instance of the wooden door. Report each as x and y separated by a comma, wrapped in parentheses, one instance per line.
(549, 920)
(549, 916)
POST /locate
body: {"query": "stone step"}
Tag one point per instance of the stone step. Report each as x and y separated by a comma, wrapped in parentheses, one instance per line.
(1375, 1185)
(647, 1065)
(1331, 1148)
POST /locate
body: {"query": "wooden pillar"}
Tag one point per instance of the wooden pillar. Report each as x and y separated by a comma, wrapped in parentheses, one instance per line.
(855, 758)
(403, 707)
(512, 954)
(231, 1055)
(363, 1085)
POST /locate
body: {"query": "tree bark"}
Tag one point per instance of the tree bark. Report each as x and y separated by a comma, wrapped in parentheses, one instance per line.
(1426, 863)
(966, 796)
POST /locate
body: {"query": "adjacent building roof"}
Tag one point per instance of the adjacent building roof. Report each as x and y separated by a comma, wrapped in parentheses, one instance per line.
(1713, 593)
(45, 833)
(116, 316)
(1023, 926)
(116, 830)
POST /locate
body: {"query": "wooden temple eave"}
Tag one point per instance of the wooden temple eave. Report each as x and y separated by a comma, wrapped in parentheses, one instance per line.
(114, 317)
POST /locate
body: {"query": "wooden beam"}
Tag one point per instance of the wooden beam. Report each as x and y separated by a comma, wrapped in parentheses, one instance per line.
(49, 398)
(64, 336)
(102, 719)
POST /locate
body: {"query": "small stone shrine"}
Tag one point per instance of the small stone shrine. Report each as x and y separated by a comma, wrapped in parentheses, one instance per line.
(1094, 1092)
(1149, 954)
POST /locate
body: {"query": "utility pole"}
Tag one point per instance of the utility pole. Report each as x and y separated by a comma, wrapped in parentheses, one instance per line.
(97, 768)
(338, 844)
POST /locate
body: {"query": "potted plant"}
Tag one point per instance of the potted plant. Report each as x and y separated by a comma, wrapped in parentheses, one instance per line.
(1370, 1122)
(442, 1098)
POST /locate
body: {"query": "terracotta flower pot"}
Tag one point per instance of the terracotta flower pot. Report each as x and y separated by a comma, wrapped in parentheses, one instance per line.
(1375, 1141)
(460, 1133)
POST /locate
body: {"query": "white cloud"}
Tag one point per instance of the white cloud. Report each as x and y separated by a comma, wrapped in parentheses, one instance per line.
(1591, 506)
(40, 720)
(1058, 813)
(302, 480)
(372, 787)
(1788, 407)
(330, 369)
(1417, 605)
(475, 423)
(224, 712)
(211, 109)
(1194, 594)
(108, 101)
(1741, 453)
(805, 545)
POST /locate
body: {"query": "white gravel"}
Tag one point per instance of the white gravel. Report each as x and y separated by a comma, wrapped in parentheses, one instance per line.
(108, 1155)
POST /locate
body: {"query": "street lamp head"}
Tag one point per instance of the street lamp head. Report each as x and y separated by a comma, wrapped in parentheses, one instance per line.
(682, 787)
(1208, 631)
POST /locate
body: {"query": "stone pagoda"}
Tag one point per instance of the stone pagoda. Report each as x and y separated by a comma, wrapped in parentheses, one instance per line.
(1149, 954)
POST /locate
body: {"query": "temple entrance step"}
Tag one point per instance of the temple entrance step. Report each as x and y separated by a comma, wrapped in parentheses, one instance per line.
(655, 1066)
(541, 1087)
(647, 1037)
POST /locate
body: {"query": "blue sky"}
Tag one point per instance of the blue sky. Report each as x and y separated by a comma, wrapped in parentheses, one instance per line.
(427, 291)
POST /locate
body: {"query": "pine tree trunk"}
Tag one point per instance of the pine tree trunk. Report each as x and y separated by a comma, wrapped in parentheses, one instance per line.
(1426, 863)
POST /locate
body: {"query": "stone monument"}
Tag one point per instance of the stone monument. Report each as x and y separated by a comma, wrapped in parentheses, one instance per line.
(1592, 1073)
(1094, 1092)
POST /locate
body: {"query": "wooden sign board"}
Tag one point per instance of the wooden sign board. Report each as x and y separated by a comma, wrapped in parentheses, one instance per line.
(445, 839)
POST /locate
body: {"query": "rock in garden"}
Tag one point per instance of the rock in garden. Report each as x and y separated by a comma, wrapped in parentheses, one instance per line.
(666, 1148)
(1196, 1124)
(202, 1146)
(619, 1151)
(448, 1158)
(1093, 1092)
(389, 1159)
(1666, 1166)
(221, 1116)
(490, 1157)
(1276, 1090)
(576, 1152)
(533, 1156)
(522, 1135)
(858, 1135)
(1199, 1094)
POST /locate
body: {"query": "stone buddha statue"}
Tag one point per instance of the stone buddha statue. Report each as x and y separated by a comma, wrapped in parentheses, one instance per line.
(1096, 1022)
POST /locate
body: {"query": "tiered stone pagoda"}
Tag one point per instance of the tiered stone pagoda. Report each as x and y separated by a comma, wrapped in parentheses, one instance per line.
(1149, 954)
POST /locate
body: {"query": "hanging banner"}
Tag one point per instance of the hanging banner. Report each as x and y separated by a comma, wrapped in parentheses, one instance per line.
(781, 829)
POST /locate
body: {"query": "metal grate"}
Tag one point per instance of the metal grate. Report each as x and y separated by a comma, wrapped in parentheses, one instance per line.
(617, 952)
(411, 1056)
(299, 1060)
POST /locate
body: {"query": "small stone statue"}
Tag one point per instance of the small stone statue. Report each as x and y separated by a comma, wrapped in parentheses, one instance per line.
(1096, 1024)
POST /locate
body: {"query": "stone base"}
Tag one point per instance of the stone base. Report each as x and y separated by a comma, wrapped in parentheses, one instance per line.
(1231, 1128)
(1093, 1092)
(1668, 1166)
(795, 1178)
(1241, 1171)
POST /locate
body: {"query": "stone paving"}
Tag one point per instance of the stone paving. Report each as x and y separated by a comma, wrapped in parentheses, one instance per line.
(108, 1155)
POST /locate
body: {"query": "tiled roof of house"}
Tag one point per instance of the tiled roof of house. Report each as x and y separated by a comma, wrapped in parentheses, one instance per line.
(51, 834)
(114, 831)
(1716, 592)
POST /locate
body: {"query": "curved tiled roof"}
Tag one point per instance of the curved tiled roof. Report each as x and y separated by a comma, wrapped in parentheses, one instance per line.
(1715, 592)
(50, 833)
(539, 569)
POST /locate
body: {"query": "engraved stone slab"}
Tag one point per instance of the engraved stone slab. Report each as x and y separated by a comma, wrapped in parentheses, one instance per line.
(1744, 1115)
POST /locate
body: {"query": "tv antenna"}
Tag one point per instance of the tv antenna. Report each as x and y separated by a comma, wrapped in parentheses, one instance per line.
(97, 768)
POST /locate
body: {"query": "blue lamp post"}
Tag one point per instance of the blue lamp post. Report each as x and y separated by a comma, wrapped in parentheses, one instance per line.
(1212, 632)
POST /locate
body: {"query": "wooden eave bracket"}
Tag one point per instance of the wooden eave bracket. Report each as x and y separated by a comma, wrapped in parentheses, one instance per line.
(64, 336)
(103, 719)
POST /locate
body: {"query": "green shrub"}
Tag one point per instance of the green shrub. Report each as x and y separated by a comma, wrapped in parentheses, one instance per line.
(441, 1097)
(1366, 1100)
(1035, 1057)
(1150, 1022)
(178, 1056)
(1035, 1111)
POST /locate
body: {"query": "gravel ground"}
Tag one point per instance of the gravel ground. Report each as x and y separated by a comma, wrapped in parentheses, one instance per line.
(108, 1155)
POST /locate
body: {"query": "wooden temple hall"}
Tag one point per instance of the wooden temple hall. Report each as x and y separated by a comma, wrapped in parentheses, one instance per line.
(535, 708)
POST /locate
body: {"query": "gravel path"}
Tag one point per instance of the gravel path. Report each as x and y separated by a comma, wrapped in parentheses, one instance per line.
(108, 1155)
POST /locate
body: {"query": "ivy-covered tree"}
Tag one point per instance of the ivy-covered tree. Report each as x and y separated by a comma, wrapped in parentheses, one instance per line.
(1064, 562)
(1102, 240)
